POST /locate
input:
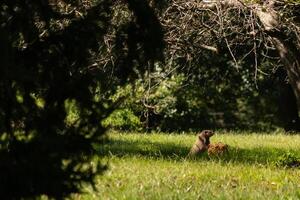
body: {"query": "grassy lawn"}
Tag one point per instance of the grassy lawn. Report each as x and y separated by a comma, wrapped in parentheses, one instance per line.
(153, 166)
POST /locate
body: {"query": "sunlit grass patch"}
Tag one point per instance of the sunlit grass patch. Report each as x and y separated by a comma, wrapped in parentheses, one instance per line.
(154, 166)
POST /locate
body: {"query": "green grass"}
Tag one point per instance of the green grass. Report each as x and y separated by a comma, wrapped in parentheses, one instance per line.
(153, 166)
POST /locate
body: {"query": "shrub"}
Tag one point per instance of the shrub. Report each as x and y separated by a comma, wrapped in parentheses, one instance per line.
(123, 119)
(288, 160)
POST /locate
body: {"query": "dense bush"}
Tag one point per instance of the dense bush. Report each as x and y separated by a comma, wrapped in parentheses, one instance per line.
(123, 119)
(56, 81)
(288, 160)
(201, 100)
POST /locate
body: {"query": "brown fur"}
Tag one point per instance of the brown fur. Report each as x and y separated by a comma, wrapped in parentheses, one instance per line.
(217, 149)
(202, 142)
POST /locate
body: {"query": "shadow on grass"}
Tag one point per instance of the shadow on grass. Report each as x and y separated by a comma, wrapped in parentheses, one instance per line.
(152, 150)
(171, 151)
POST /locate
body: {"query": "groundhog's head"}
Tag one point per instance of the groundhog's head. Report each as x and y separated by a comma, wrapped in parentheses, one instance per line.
(207, 133)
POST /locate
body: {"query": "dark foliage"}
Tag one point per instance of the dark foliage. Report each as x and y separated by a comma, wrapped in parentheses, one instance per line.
(49, 53)
(289, 160)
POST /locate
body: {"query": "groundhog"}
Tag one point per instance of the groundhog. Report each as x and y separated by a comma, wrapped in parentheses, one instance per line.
(217, 149)
(202, 142)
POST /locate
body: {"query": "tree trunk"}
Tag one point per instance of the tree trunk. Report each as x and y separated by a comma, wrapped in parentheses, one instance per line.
(287, 103)
(290, 58)
(288, 108)
(286, 48)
